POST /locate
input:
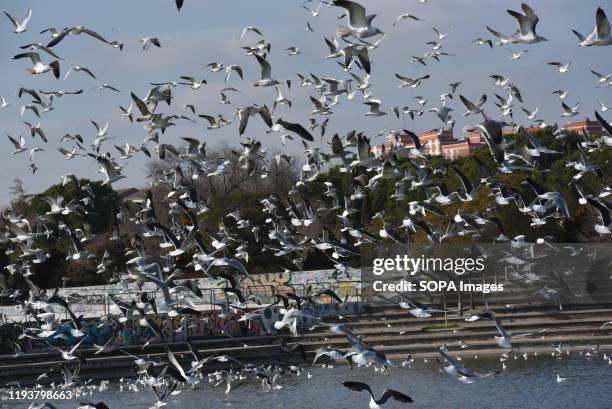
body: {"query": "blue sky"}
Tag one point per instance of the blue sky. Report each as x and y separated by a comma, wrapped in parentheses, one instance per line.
(207, 31)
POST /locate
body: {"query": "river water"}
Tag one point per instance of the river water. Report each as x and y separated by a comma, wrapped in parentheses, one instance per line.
(524, 384)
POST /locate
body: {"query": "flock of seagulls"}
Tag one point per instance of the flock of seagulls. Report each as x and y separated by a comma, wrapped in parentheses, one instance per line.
(187, 242)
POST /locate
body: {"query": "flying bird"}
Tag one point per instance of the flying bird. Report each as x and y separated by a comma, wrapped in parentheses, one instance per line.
(20, 26)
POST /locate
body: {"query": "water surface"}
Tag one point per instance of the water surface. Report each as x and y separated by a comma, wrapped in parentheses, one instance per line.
(525, 384)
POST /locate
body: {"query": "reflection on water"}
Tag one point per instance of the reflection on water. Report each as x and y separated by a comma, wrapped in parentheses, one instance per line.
(524, 384)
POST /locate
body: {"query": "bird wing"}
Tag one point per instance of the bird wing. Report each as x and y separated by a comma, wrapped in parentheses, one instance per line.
(468, 104)
(15, 23)
(357, 13)
(603, 24)
(172, 359)
(266, 116)
(604, 123)
(318, 105)
(530, 138)
(243, 115)
(602, 209)
(464, 180)
(498, 34)
(58, 38)
(27, 18)
(357, 387)
(88, 71)
(35, 57)
(142, 107)
(415, 138)
(14, 142)
(390, 393)
(526, 22)
(297, 128)
(238, 69)
(95, 35)
(266, 68)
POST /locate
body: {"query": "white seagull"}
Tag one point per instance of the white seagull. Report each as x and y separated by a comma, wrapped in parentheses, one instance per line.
(359, 23)
(250, 28)
(20, 27)
(527, 22)
(600, 36)
(374, 105)
(147, 42)
(570, 111)
(38, 67)
(563, 68)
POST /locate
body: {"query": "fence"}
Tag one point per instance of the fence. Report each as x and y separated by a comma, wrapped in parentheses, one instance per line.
(95, 302)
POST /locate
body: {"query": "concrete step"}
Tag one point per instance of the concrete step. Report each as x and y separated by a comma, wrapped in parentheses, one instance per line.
(381, 329)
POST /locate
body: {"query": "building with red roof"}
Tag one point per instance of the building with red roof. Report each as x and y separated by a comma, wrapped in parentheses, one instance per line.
(435, 143)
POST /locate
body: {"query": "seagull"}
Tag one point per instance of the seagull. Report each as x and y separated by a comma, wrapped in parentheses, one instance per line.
(457, 369)
(104, 86)
(193, 83)
(604, 214)
(230, 68)
(19, 145)
(441, 36)
(37, 65)
(127, 113)
(249, 28)
(602, 79)
(374, 105)
(404, 17)
(215, 67)
(473, 108)
(506, 337)
(147, 42)
(266, 73)
(68, 355)
(602, 106)
(409, 82)
(563, 68)
(4, 103)
(320, 108)
(536, 147)
(20, 27)
(111, 171)
(482, 41)
(444, 113)
(80, 69)
(531, 114)
(78, 30)
(36, 130)
(600, 36)
(570, 111)
(376, 403)
(315, 12)
(516, 56)
(359, 24)
(419, 310)
(562, 94)
(500, 81)
(527, 22)
(293, 51)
